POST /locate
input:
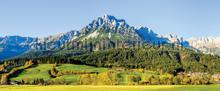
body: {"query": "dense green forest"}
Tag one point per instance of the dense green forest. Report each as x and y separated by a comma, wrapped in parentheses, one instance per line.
(170, 61)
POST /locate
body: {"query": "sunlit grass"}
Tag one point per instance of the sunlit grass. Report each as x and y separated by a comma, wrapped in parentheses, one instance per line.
(112, 88)
(73, 67)
(39, 72)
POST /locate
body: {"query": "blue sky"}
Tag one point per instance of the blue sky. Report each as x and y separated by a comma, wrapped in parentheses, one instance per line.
(41, 18)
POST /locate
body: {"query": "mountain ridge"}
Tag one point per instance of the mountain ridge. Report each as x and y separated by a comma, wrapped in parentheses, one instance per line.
(107, 26)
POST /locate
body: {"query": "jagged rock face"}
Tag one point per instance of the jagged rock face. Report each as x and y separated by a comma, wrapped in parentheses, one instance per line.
(180, 41)
(107, 23)
(148, 35)
(209, 45)
(119, 28)
(109, 27)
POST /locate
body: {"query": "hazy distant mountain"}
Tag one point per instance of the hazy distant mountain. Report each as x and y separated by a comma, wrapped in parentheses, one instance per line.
(53, 42)
(14, 45)
(209, 45)
(11, 46)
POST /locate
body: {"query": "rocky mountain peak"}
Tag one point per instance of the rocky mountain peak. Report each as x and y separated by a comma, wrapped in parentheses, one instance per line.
(107, 22)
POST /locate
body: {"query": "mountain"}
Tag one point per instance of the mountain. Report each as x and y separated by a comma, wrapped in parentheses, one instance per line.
(11, 46)
(112, 28)
(14, 45)
(148, 35)
(209, 45)
(106, 27)
(178, 40)
(109, 27)
(54, 42)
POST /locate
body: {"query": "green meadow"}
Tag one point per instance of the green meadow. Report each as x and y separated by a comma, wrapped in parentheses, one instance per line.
(42, 72)
(38, 72)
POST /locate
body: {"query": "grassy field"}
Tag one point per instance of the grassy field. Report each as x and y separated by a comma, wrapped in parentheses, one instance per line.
(73, 67)
(42, 72)
(112, 88)
(39, 72)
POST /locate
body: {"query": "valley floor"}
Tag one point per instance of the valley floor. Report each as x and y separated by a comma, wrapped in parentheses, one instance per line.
(111, 88)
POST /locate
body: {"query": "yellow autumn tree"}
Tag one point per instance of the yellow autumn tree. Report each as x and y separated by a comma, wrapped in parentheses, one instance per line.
(2, 67)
